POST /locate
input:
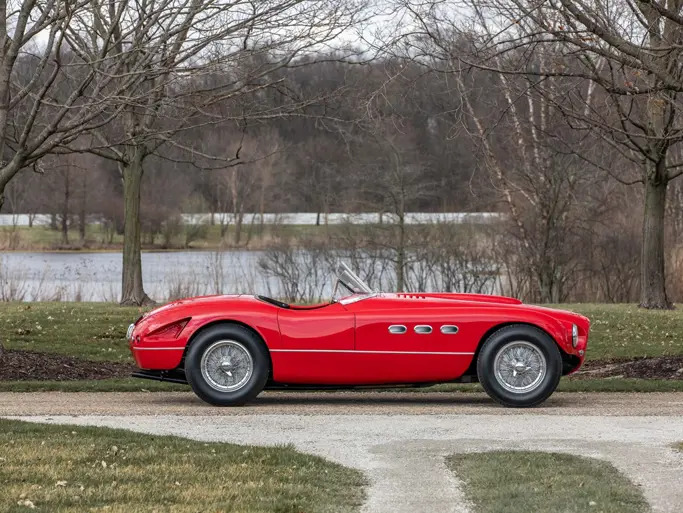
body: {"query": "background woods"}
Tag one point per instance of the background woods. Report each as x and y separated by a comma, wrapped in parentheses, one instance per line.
(562, 116)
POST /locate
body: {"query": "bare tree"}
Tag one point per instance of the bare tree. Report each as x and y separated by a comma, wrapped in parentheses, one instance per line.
(189, 57)
(48, 94)
(627, 54)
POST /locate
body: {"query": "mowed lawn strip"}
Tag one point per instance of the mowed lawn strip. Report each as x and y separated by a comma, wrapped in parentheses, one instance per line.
(99, 385)
(63, 469)
(540, 482)
(96, 331)
(92, 331)
(626, 331)
(142, 385)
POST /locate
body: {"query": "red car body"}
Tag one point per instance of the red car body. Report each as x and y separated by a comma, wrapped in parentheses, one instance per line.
(349, 343)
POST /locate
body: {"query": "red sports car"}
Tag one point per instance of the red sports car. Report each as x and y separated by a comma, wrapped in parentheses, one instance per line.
(229, 348)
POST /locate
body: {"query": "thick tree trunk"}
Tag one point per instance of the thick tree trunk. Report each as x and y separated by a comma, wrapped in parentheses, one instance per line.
(132, 291)
(653, 283)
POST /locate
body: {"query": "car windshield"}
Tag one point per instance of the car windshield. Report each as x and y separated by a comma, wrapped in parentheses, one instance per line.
(350, 281)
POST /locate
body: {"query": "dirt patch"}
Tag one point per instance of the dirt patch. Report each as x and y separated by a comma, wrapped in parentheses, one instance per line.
(26, 365)
(665, 367)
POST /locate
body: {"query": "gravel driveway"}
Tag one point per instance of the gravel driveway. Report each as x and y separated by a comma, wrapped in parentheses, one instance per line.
(400, 439)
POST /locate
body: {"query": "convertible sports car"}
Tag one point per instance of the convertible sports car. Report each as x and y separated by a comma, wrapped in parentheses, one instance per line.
(229, 348)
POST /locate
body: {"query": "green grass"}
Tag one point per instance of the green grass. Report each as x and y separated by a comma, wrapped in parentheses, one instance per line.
(42, 238)
(100, 385)
(579, 385)
(97, 330)
(141, 385)
(539, 482)
(62, 469)
(93, 331)
(626, 331)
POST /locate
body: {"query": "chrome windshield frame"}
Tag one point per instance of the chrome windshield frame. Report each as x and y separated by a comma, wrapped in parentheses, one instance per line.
(357, 297)
(352, 281)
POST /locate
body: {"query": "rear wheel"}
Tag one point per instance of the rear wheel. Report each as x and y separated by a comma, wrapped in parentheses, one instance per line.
(227, 365)
(519, 366)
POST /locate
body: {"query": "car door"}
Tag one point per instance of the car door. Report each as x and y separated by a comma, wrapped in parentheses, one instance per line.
(316, 346)
(407, 339)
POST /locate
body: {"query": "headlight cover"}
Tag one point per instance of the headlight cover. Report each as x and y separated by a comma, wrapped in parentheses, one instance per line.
(575, 336)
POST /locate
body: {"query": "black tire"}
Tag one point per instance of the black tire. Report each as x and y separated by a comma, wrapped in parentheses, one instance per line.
(232, 338)
(524, 337)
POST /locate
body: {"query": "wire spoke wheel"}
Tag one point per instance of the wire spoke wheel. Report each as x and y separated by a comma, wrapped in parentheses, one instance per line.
(520, 367)
(227, 366)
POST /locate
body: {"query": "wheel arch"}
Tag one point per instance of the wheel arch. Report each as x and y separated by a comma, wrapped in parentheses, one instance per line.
(567, 362)
(218, 322)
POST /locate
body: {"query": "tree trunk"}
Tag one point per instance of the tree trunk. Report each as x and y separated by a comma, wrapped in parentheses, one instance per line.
(83, 210)
(132, 291)
(238, 228)
(65, 209)
(401, 254)
(652, 278)
(65, 229)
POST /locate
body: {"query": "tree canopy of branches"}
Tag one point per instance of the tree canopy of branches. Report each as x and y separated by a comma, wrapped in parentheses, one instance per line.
(613, 70)
(194, 63)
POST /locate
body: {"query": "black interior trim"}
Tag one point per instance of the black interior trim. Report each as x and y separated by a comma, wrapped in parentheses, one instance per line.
(273, 301)
(291, 307)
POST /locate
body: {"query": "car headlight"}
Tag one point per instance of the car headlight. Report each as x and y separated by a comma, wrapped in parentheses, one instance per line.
(575, 336)
(130, 331)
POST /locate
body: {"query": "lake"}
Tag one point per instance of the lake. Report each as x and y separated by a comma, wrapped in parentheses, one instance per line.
(97, 276)
(303, 275)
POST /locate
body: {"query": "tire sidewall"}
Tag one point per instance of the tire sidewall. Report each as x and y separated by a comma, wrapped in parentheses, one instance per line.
(251, 342)
(502, 337)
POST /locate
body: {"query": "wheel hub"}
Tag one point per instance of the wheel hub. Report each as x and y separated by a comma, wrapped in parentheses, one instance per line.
(520, 367)
(227, 366)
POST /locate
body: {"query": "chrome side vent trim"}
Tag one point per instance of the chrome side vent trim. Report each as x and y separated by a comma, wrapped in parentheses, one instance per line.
(397, 329)
(423, 329)
(449, 329)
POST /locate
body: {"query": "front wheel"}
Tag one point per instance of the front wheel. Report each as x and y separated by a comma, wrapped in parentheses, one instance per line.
(227, 365)
(519, 366)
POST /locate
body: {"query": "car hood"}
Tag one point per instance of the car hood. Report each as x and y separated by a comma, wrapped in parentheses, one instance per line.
(453, 296)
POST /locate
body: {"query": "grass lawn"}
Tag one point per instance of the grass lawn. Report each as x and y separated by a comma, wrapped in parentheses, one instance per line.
(204, 237)
(142, 385)
(96, 331)
(577, 385)
(63, 469)
(99, 385)
(540, 482)
(93, 331)
(626, 331)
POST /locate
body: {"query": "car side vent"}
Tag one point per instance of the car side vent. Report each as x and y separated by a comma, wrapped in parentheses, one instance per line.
(397, 329)
(423, 329)
(449, 329)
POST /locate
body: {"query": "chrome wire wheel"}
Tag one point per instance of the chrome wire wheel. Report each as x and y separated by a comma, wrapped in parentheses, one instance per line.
(520, 367)
(227, 366)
